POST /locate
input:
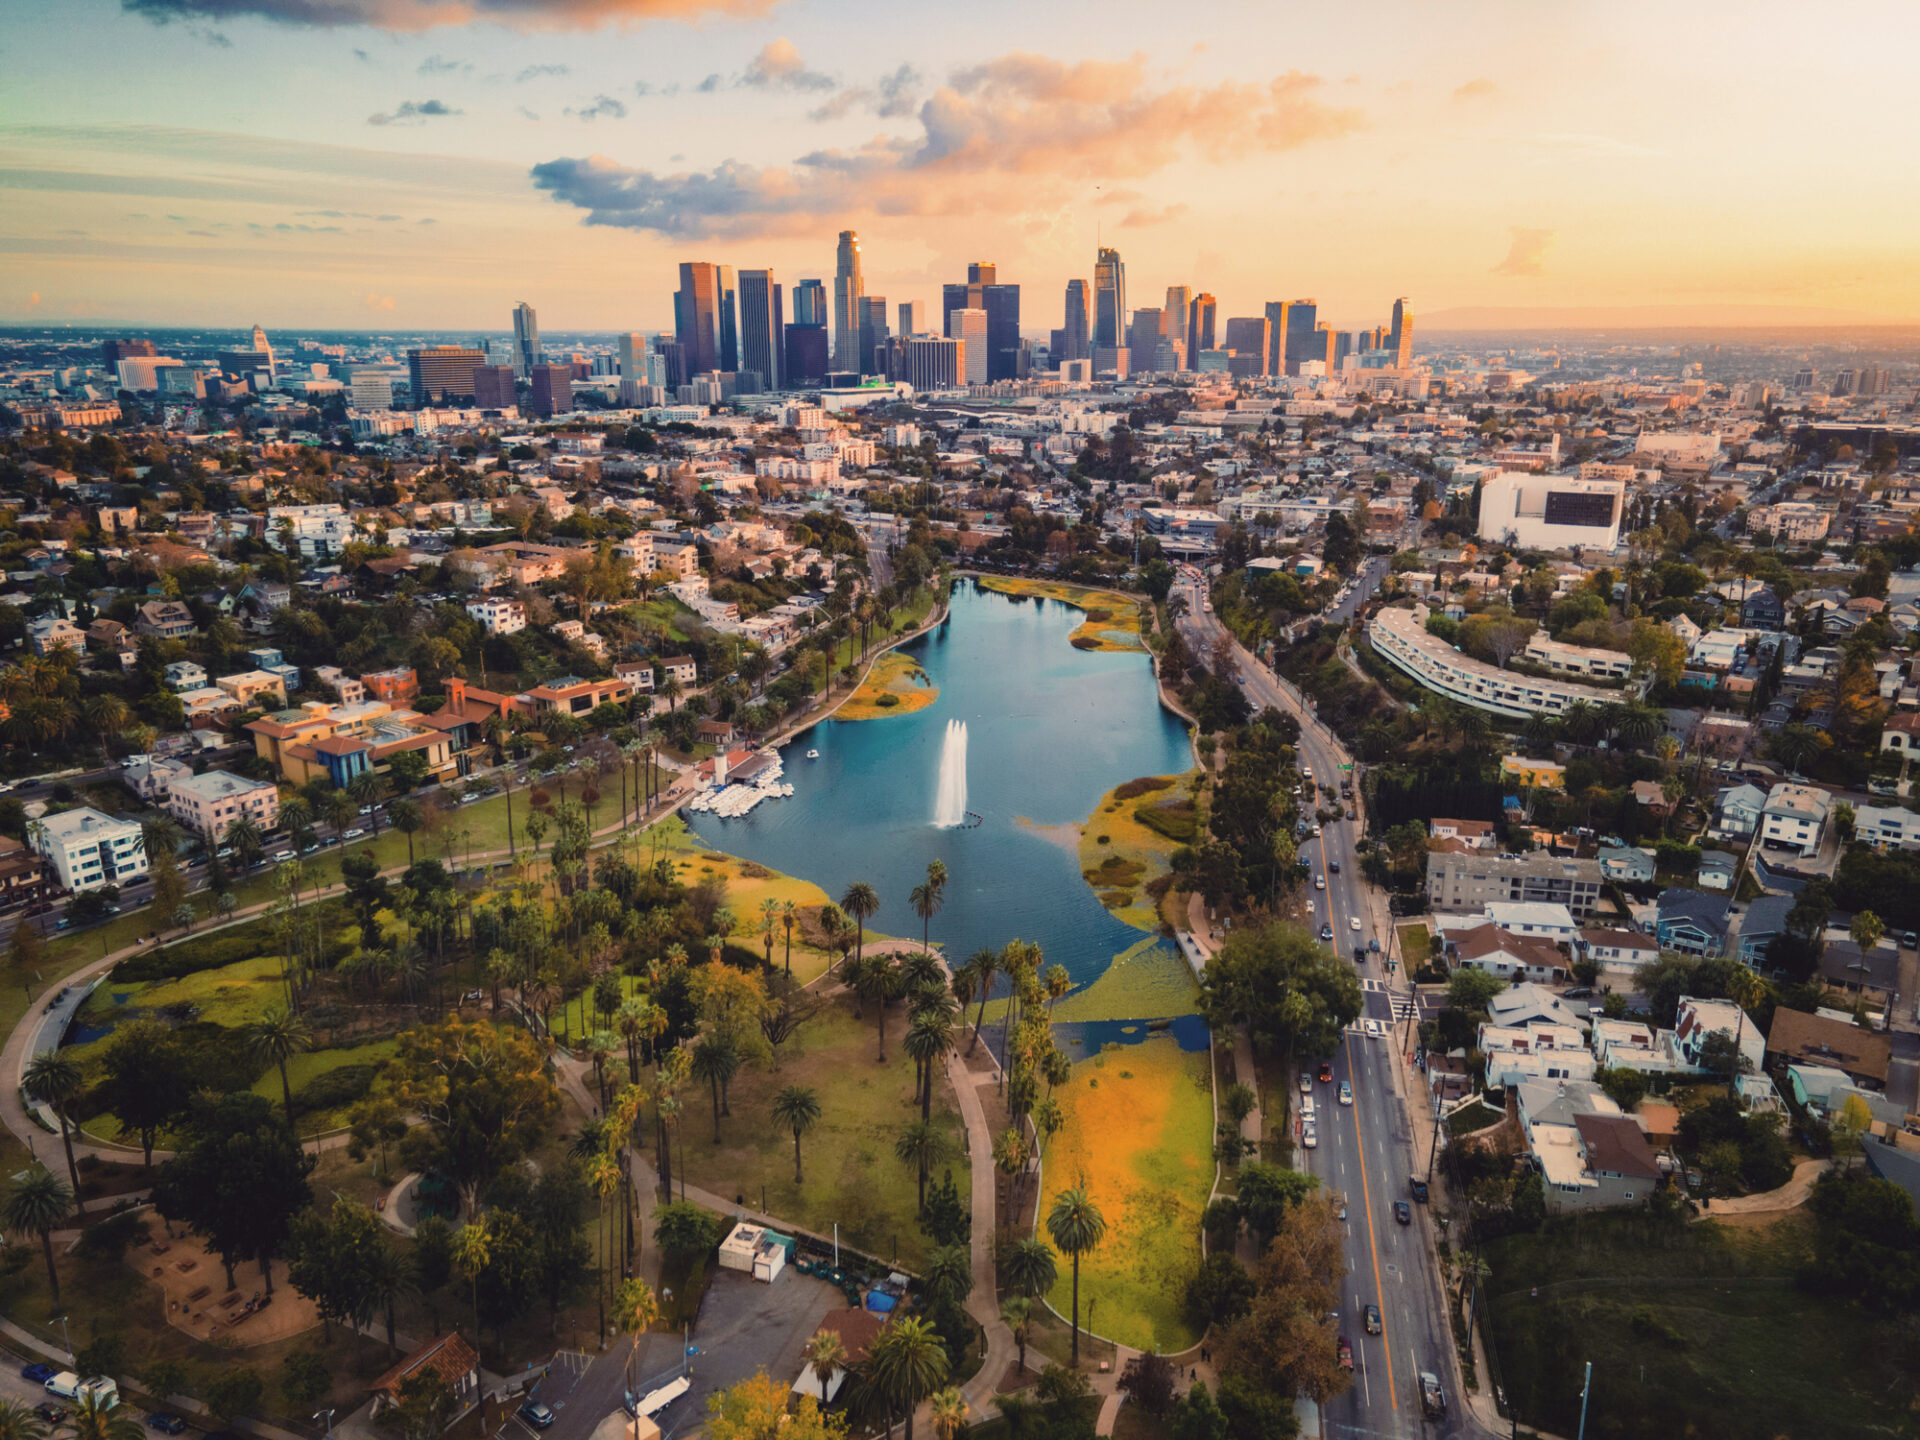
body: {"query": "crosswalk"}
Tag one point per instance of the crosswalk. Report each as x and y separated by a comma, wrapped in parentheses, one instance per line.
(1404, 1007)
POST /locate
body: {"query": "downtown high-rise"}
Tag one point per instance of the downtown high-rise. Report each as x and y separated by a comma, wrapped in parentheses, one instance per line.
(1200, 327)
(762, 328)
(526, 340)
(849, 286)
(1076, 336)
(983, 291)
(698, 326)
(1109, 301)
(1400, 338)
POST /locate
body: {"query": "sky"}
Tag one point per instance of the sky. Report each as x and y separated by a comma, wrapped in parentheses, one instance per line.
(410, 164)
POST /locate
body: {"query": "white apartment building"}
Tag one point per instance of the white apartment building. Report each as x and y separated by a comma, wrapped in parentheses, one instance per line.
(1794, 818)
(500, 616)
(87, 849)
(1551, 512)
(1400, 638)
(1887, 827)
(1793, 521)
(315, 532)
(1535, 1052)
(350, 690)
(209, 804)
(1585, 660)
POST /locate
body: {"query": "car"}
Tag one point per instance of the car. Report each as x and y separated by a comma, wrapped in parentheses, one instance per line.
(63, 923)
(535, 1414)
(1359, 954)
(353, 834)
(1353, 923)
(1333, 866)
(1306, 1083)
(1419, 1188)
(1310, 1139)
(1326, 932)
(1374, 1029)
(166, 1423)
(1403, 1212)
(1345, 1352)
(1307, 1109)
(1371, 1318)
(38, 1374)
(1577, 992)
(1316, 830)
(1433, 1399)
(1910, 939)
(1346, 1093)
(51, 1413)
(366, 809)
(1326, 1072)
(1343, 1213)
(1319, 882)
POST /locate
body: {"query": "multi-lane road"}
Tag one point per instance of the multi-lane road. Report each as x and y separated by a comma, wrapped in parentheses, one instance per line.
(1365, 1150)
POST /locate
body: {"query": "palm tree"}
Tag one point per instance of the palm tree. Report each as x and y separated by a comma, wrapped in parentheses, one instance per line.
(1539, 730)
(876, 980)
(634, 1311)
(862, 903)
(472, 1253)
(797, 1108)
(926, 903)
(769, 913)
(825, 1353)
(365, 790)
(95, 1418)
(243, 834)
(407, 819)
(789, 913)
(948, 1412)
(1077, 1226)
(929, 1041)
(984, 965)
(922, 1145)
(1580, 722)
(390, 1279)
(37, 1204)
(106, 715)
(1640, 724)
(54, 1080)
(906, 1364)
(716, 1061)
(17, 1422)
(277, 1037)
(1017, 1312)
(1031, 1270)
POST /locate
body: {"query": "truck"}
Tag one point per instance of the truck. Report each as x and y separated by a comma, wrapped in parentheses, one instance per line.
(1433, 1400)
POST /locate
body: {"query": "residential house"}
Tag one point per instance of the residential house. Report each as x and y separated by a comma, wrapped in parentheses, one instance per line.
(112, 637)
(1534, 918)
(1691, 922)
(88, 849)
(1633, 1045)
(1528, 1004)
(185, 675)
(1626, 863)
(1534, 1052)
(1886, 827)
(1697, 1020)
(1590, 1156)
(1794, 818)
(1529, 773)
(398, 686)
(637, 673)
(55, 632)
(1900, 732)
(1617, 950)
(1736, 812)
(499, 615)
(1717, 871)
(1471, 881)
(260, 600)
(1764, 922)
(1474, 834)
(1798, 1038)
(1874, 976)
(857, 1328)
(1648, 794)
(450, 1360)
(1503, 953)
(1825, 1091)
(251, 689)
(23, 874)
(681, 668)
(208, 804)
(164, 619)
(571, 695)
(350, 690)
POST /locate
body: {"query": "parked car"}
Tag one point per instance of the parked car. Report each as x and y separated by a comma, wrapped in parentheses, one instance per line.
(52, 1414)
(1403, 1212)
(1306, 1083)
(1375, 1029)
(1372, 1317)
(1419, 1189)
(1346, 1354)
(1310, 1138)
(38, 1374)
(353, 834)
(535, 1414)
(166, 1423)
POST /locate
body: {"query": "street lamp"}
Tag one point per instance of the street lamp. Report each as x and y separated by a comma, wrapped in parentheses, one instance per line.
(329, 1414)
(65, 1338)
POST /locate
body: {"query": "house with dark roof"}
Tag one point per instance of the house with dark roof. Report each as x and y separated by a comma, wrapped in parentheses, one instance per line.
(1798, 1038)
(1616, 949)
(857, 1328)
(1873, 976)
(1764, 922)
(1691, 921)
(1500, 952)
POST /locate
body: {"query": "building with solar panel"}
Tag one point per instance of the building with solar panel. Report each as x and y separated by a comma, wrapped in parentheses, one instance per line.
(1551, 512)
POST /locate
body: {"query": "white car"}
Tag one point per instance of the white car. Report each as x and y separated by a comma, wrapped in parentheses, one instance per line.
(1306, 1083)
(1353, 923)
(1375, 1029)
(355, 833)
(1306, 1110)
(1346, 1093)
(1310, 1139)
(1319, 882)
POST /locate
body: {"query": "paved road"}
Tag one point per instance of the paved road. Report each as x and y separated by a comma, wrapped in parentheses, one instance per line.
(1366, 1150)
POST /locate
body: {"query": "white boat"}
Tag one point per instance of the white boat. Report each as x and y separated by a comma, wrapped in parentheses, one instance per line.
(813, 754)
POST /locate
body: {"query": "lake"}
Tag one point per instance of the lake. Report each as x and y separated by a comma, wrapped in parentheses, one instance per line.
(1050, 729)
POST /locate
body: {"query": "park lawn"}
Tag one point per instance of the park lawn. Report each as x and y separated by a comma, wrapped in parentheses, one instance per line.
(1696, 1330)
(1149, 981)
(1113, 619)
(232, 995)
(1139, 1136)
(850, 1175)
(1121, 855)
(303, 1070)
(895, 686)
(665, 612)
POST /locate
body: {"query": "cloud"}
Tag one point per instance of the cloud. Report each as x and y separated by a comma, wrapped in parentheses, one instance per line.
(441, 65)
(1477, 89)
(1527, 254)
(379, 302)
(534, 72)
(530, 114)
(646, 89)
(363, 57)
(1143, 216)
(709, 85)
(778, 66)
(417, 15)
(1022, 124)
(603, 105)
(413, 110)
(890, 97)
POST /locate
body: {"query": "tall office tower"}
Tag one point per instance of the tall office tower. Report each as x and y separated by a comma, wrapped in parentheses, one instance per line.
(760, 327)
(1143, 339)
(969, 327)
(982, 272)
(1339, 347)
(1276, 356)
(1296, 345)
(526, 340)
(114, 351)
(493, 387)
(1362, 342)
(1200, 323)
(1109, 300)
(552, 389)
(1402, 334)
(913, 317)
(873, 334)
(696, 318)
(1179, 301)
(810, 304)
(1251, 337)
(848, 286)
(443, 372)
(805, 362)
(1077, 335)
(931, 362)
(633, 357)
(1003, 330)
(260, 338)
(673, 363)
(728, 309)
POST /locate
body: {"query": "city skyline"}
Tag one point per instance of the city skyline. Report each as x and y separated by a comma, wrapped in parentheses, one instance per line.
(383, 169)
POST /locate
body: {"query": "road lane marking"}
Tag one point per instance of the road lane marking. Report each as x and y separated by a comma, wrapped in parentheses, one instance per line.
(1373, 1245)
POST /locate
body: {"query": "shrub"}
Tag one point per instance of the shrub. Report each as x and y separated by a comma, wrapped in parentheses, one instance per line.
(335, 1088)
(886, 700)
(1176, 820)
(1145, 785)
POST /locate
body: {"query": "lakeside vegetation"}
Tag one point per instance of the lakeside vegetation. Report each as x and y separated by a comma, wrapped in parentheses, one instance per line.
(1113, 620)
(895, 686)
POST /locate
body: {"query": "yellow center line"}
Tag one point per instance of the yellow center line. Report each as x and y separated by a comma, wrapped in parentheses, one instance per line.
(1366, 1199)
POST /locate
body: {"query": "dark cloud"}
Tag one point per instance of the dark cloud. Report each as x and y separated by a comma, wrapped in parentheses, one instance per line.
(409, 110)
(646, 89)
(709, 85)
(535, 72)
(890, 97)
(417, 15)
(602, 107)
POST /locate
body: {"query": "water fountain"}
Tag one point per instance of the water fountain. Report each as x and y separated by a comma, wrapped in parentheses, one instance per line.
(950, 797)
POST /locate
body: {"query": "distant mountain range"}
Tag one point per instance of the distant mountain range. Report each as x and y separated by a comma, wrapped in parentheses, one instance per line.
(1647, 317)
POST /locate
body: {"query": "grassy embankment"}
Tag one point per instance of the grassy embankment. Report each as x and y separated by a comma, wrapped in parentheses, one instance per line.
(896, 686)
(1113, 620)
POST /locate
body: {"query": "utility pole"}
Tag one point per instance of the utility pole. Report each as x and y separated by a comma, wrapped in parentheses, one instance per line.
(1433, 1150)
(1586, 1385)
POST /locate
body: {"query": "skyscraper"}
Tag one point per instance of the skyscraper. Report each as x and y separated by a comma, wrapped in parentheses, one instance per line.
(1179, 299)
(1003, 330)
(805, 362)
(873, 334)
(1149, 328)
(1109, 300)
(1401, 337)
(726, 296)
(696, 319)
(931, 362)
(1303, 320)
(526, 340)
(970, 328)
(493, 387)
(848, 286)
(1200, 323)
(761, 327)
(443, 372)
(913, 317)
(1251, 337)
(810, 304)
(1077, 336)
(633, 357)
(552, 389)
(983, 272)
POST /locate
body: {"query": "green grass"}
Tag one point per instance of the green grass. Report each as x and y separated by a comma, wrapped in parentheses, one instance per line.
(303, 1070)
(232, 995)
(1696, 1330)
(1415, 946)
(1149, 981)
(850, 1174)
(1139, 1137)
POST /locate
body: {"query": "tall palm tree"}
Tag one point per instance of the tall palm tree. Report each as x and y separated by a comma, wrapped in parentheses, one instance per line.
(106, 715)
(407, 819)
(277, 1037)
(825, 1353)
(862, 903)
(906, 1364)
(769, 914)
(54, 1080)
(365, 790)
(948, 1412)
(878, 981)
(929, 1041)
(926, 901)
(390, 1279)
(715, 1060)
(922, 1145)
(984, 965)
(472, 1253)
(1017, 1313)
(243, 835)
(37, 1204)
(789, 913)
(1077, 1226)
(1031, 1270)
(797, 1108)
(634, 1312)
(94, 1418)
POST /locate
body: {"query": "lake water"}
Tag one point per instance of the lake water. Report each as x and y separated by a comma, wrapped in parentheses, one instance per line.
(1050, 729)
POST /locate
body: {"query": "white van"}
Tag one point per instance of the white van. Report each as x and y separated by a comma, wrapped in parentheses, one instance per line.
(69, 1386)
